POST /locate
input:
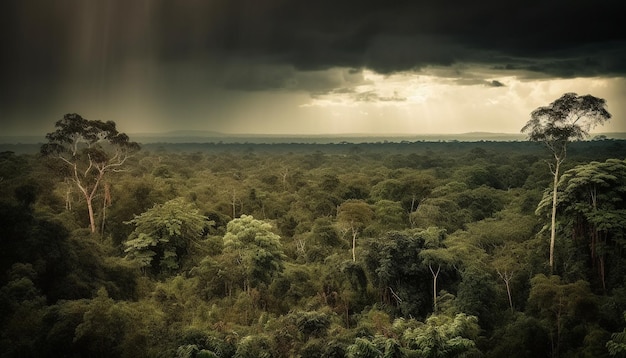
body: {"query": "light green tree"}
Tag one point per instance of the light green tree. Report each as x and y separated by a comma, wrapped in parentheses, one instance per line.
(390, 216)
(363, 348)
(442, 336)
(254, 252)
(436, 256)
(508, 261)
(164, 233)
(254, 346)
(353, 216)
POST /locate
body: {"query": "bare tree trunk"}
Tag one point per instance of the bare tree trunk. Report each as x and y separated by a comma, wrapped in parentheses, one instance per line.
(104, 219)
(553, 219)
(506, 277)
(92, 220)
(284, 175)
(68, 198)
(508, 291)
(354, 234)
(106, 201)
(413, 208)
(435, 274)
(602, 273)
(234, 203)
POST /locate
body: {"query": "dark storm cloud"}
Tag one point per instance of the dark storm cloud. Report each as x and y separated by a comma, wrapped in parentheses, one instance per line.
(50, 48)
(48, 36)
(248, 76)
(399, 35)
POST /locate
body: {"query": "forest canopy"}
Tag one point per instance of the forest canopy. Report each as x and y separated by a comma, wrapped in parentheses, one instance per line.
(408, 249)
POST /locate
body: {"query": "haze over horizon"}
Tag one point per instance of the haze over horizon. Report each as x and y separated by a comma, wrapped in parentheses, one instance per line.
(282, 67)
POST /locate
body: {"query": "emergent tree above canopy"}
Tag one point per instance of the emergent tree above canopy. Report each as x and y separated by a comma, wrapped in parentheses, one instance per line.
(91, 149)
(568, 118)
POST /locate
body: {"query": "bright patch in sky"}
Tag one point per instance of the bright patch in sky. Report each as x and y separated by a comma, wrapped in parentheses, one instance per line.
(429, 102)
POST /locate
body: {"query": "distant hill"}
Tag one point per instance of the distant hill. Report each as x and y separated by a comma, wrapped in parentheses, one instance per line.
(186, 136)
(217, 137)
(22, 139)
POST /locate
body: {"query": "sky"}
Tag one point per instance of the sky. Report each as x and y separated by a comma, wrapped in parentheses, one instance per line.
(397, 67)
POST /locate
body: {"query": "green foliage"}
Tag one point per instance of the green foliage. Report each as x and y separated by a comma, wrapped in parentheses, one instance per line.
(311, 324)
(110, 328)
(91, 149)
(254, 346)
(164, 234)
(564, 309)
(192, 351)
(441, 212)
(520, 336)
(354, 215)
(568, 118)
(395, 270)
(476, 295)
(21, 313)
(292, 286)
(481, 202)
(617, 344)
(363, 348)
(195, 342)
(407, 188)
(322, 240)
(592, 203)
(443, 336)
(255, 252)
(130, 198)
(390, 215)
(285, 286)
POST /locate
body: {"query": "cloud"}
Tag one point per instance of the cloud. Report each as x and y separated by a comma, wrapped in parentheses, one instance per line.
(173, 55)
(582, 37)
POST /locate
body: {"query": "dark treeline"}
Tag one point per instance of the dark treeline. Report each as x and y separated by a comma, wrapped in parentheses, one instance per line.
(410, 249)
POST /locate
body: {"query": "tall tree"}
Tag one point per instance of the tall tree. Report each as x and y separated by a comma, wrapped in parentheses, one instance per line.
(593, 204)
(400, 279)
(165, 233)
(354, 215)
(507, 261)
(567, 310)
(90, 149)
(253, 250)
(567, 119)
(436, 256)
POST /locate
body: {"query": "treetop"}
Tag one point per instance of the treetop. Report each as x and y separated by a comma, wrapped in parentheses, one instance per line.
(570, 117)
(73, 129)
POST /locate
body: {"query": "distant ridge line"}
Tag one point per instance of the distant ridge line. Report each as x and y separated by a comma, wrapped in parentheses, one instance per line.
(217, 137)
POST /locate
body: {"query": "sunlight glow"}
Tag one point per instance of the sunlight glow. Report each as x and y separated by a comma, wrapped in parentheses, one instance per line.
(434, 101)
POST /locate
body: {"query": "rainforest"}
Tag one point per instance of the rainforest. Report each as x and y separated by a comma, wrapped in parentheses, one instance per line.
(364, 249)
